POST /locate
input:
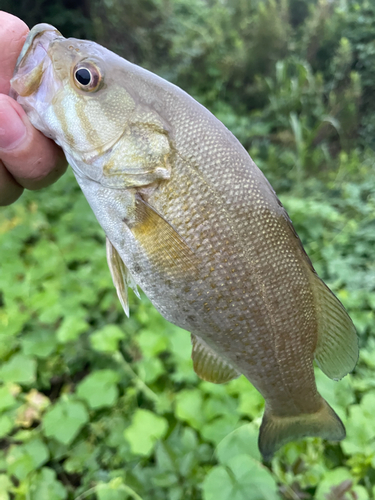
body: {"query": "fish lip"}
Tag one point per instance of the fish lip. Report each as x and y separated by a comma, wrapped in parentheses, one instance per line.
(40, 35)
(36, 32)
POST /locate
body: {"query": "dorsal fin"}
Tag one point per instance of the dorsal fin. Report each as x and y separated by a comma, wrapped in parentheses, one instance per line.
(208, 365)
(336, 352)
(120, 276)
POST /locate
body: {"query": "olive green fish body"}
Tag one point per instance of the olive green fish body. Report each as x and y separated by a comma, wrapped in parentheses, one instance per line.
(191, 219)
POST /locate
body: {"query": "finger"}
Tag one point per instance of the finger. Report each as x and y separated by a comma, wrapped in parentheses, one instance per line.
(33, 160)
(10, 190)
(13, 33)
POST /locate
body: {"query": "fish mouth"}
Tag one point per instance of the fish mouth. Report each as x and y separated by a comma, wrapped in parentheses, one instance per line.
(30, 64)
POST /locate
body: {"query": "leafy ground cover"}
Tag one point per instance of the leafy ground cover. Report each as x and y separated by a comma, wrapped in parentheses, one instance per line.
(100, 407)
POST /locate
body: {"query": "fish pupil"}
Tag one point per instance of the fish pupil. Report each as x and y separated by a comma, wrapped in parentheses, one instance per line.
(83, 76)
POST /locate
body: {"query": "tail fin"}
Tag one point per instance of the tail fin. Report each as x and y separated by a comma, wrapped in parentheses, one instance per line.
(276, 431)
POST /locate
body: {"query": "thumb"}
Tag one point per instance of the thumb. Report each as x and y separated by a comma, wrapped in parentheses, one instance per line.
(12, 128)
(33, 160)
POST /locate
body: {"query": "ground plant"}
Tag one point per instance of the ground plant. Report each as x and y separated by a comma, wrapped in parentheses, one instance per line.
(96, 406)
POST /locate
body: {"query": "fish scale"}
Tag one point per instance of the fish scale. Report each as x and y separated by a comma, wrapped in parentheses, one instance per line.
(191, 220)
(244, 333)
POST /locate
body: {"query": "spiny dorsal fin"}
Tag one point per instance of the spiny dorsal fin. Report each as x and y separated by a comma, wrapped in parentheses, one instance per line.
(208, 365)
(166, 249)
(120, 276)
(336, 352)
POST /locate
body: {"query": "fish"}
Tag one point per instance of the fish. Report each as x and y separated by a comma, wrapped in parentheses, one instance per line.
(191, 220)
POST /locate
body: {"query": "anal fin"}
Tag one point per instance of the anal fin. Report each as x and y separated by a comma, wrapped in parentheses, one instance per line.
(120, 276)
(337, 349)
(208, 365)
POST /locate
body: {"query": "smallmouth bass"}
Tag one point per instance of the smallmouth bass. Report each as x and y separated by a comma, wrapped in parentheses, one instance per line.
(191, 220)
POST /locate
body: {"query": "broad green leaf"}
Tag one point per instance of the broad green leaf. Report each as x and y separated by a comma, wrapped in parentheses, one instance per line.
(152, 342)
(218, 405)
(41, 344)
(180, 341)
(149, 369)
(71, 328)
(19, 369)
(107, 338)
(146, 428)
(6, 425)
(217, 429)
(5, 485)
(107, 493)
(242, 441)
(333, 479)
(99, 389)
(7, 399)
(45, 486)
(114, 490)
(360, 427)
(64, 421)
(23, 459)
(8, 343)
(82, 456)
(251, 403)
(242, 478)
(189, 407)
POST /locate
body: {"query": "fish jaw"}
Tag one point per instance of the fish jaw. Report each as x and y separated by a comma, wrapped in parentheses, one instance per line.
(33, 70)
(33, 52)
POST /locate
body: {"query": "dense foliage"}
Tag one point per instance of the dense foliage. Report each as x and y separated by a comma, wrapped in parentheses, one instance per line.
(97, 406)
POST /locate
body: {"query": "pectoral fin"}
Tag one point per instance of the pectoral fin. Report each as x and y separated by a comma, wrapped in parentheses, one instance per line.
(337, 349)
(120, 276)
(167, 250)
(208, 365)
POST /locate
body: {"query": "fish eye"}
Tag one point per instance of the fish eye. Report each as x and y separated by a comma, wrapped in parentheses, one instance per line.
(87, 76)
(83, 76)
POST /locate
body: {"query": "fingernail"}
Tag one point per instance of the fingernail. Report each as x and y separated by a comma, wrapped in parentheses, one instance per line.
(12, 128)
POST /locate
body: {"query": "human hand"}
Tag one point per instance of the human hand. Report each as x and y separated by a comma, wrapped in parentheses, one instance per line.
(27, 158)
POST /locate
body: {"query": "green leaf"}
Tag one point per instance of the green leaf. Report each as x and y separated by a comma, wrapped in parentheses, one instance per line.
(107, 339)
(46, 487)
(19, 369)
(5, 486)
(242, 441)
(114, 490)
(71, 328)
(40, 344)
(251, 403)
(107, 493)
(149, 369)
(146, 428)
(23, 459)
(152, 342)
(216, 430)
(360, 427)
(7, 400)
(82, 456)
(6, 425)
(99, 389)
(8, 344)
(189, 407)
(242, 479)
(64, 421)
(331, 480)
(218, 485)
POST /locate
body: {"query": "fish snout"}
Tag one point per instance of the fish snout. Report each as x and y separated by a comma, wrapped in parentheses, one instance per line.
(30, 63)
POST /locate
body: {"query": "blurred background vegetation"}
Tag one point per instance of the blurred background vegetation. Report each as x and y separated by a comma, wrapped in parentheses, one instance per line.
(97, 406)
